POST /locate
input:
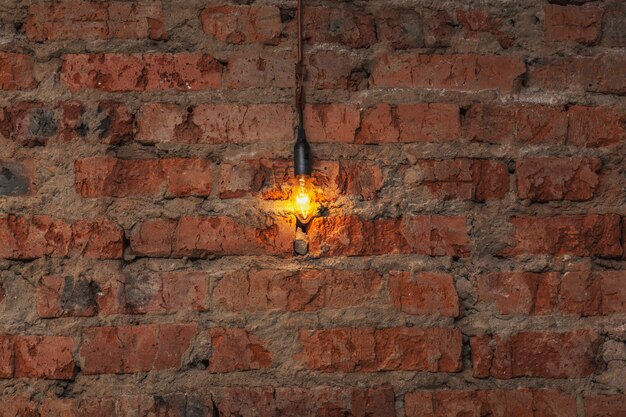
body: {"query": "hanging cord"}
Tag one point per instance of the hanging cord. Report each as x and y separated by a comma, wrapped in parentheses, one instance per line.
(300, 71)
(303, 160)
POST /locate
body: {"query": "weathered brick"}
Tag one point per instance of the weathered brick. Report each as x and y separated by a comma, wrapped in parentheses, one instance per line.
(597, 293)
(450, 72)
(17, 177)
(303, 290)
(215, 123)
(467, 179)
(16, 71)
(308, 402)
(7, 356)
(105, 176)
(326, 69)
(425, 293)
(274, 177)
(141, 72)
(550, 179)
(337, 24)
(352, 236)
(73, 20)
(582, 24)
(235, 349)
(406, 28)
(526, 123)
(39, 236)
(154, 293)
(422, 122)
(520, 292)
(48, 357)
(192, 236)
(597, 74)
(536, 354)
(367, 349)
(596, 126)
(590, 235)
(332, 122)
(66, 297)
(128, 349)
(477, 23)
(18, 406)
(589, 293)
(604, 405)
(496, 403)
(242, 24)
(261, 70)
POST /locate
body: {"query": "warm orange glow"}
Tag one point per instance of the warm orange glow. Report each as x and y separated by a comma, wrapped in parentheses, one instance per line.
(304, 200)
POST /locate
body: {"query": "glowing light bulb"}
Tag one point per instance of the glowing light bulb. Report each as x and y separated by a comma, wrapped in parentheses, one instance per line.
(304, 200)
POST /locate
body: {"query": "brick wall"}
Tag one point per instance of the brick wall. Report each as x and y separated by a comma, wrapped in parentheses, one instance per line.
(470, 260)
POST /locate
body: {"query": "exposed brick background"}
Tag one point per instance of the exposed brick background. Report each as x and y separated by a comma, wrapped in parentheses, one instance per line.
(470, 259)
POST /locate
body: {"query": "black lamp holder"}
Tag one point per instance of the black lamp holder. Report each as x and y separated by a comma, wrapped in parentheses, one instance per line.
(302, 159)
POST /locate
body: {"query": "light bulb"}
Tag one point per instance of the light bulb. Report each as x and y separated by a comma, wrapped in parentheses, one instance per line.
(304, 200)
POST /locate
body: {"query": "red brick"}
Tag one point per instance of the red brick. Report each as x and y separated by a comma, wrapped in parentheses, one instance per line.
(69, 20)
(422, 122)
(590, 235)
(206, 236)
(48, 357)
(613, 24)
(275, 177)
(520, 292)
(303, 290)
(261, 70)
(477, 23)
(337, 24)
(237, 350)
(397, 26)
(537, 354)
(425, 293)
(16, 71)
(367, 349)
(466, 179)
(39, 236)
(141, 72)
(332, 122)
(599, 293)
(215, 123)
(450, 72)
(17, 406)
(308, 402)
(7, 356)
(496, 403)
(18, 177)
(598, 74)
(326, 69)
(242, 24)
(60, 408)
(605, 406)
(65, 297)
(525, 123)
(154, 293)
(596, 126)
(582, 24)
(33, 124)
(104, 176)
(554, 179)
(128, 349)
(351, 236)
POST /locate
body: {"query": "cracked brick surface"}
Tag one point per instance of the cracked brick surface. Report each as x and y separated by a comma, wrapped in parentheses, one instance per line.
(467, 258)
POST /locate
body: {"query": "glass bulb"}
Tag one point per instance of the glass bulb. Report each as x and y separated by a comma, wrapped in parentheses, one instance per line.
(304, 200)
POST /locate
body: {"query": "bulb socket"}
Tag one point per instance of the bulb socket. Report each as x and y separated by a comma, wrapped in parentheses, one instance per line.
(302, 160)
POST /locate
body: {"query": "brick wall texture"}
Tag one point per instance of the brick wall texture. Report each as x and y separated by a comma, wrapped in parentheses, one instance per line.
(470, 259)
